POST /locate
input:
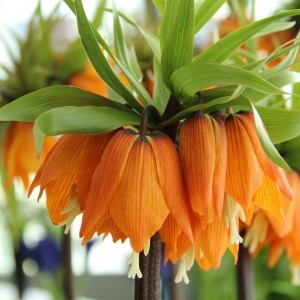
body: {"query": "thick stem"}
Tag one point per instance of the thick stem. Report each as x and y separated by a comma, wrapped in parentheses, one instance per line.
(141, 284)
(67, 268)
(172, 108)
(154, 268)
(245, 283)
(148, 287)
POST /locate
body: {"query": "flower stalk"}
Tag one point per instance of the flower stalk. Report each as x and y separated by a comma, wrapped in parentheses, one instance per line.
(244, 273)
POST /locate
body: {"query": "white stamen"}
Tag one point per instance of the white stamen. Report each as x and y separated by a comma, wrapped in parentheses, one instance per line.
(181, 274)
(189, 258)
(295, 275)
(256, 232)
(232, 212)
(134, 270)
(147, 248)
(186, 263)
(72, 210)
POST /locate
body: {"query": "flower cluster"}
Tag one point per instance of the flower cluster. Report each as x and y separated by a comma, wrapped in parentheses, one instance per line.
(133, 184)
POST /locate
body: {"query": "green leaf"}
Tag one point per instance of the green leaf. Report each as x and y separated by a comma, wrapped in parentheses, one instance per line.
(161, 94)
(119, 42)
(160, 5)
(30, 106)
(188, 80)
(98, 59)
(168, 21)
(152, 40)
(224, 48)
(279, 80)
(204, 10)
(268, 146)
(85, 120)
(282, 124)
(290, 150)
(99, 12)
(216, 104)
(178, 47)
(134, 76)
(275, 27)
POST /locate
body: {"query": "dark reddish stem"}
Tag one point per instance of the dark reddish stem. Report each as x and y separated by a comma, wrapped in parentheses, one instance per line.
(244, 272)
(141, 284)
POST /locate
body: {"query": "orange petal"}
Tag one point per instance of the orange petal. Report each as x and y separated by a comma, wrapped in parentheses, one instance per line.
(197, 148)
(243, 175)
(169, 233)
(170, 179)
(269, 168)
(64, 160)
(58, 195)
(220, 165)
(95, 147)
(106, 178)
(213, 241)
(138, 205)
(269, 198)
(20, 160)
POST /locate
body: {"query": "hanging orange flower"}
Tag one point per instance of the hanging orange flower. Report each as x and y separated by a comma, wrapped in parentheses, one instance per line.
(19, 152)
(136, 186)
(251, 177)
(66, 174)
(203, 154)
(124, 183)
(227, 175)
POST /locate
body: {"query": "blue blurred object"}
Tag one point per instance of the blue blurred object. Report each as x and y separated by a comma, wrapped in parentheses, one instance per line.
(47, 254)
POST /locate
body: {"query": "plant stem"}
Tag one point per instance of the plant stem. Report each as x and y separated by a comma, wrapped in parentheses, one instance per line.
(67, 267)
(245, 284)
(141, 284)
(148, 287)
(154, 268)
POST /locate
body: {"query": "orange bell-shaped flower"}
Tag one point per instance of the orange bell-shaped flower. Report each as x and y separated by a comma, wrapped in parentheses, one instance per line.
(203, 154)
(251, 177)
(137, 184)
(66, 174)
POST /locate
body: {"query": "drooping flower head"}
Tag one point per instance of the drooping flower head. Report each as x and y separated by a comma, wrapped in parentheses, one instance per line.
(228, 175)
(251, 177)
(136, 186)
(66, 174)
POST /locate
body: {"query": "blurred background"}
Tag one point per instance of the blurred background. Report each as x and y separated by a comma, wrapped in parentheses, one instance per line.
(33, 271)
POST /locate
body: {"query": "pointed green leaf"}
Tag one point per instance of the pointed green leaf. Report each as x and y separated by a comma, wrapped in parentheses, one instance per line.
(98, 59)
(30, 106)
(225, 47)
(282, 124)
(275, 27)
(204, 10)
(124, 62)
(188, 80)
(161, 94)
(268, 146)
(179, 44)
(167, 21)
(85, 120)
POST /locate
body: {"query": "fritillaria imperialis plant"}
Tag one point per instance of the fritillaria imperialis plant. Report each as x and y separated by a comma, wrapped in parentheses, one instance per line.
(187, 165)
